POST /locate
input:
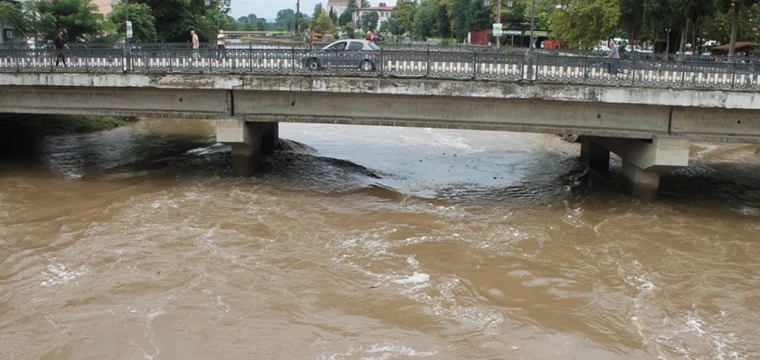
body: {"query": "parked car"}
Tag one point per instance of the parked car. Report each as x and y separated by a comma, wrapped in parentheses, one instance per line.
(359, 54)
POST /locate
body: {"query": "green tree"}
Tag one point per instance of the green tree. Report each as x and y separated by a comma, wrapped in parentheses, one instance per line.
(442, 20)
(735, 7)
(80, 19)
(403, 15)
(285, 20)
(478, 16)
(459, 23)
(13, 13)
(584, 22)
(366, 4)
(423, 24)
(317, 11)
(632, 17)
(175, 18)
(369, 20)
(323, 23)
(515, 17)
(350, 30)
(143, 22)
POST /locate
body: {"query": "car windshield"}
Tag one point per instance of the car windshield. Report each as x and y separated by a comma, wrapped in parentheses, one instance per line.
(374, 47)
(337, 46)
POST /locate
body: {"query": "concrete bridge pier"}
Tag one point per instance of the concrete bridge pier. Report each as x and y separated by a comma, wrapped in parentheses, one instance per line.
(643, 160)
(596, 156)
(250, 142)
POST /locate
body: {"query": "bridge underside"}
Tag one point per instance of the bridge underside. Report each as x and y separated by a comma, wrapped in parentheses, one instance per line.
(650, 139)
(454, 112)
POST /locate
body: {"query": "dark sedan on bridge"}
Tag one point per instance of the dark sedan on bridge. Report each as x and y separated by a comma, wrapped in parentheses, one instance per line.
(353, 54)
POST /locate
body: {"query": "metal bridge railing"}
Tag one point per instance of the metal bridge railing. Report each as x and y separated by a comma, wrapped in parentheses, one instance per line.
(430, 62)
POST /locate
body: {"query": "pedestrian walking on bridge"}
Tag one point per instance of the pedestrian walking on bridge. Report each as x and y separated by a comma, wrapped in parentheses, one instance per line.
(60, 45)
(308, 39)
(196, 43)
(221, 45)
(614, 56)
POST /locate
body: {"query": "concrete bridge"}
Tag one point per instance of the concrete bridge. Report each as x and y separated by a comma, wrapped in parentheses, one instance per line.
(643, 118)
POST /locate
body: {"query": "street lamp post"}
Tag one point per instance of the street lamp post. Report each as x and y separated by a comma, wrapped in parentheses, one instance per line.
(498, 21)
(126, 33)
(532, 41)
(219, 4)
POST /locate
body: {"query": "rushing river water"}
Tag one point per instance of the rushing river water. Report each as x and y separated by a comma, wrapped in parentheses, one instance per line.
(371, 243)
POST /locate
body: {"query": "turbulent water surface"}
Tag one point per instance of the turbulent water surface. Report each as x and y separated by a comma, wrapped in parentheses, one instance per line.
(371, 243)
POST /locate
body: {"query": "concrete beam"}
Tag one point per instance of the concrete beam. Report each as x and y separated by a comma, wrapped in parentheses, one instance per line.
(660, 154)
(116, 101)
(716, 125)
(536, 116)
(250, 142)
(412, 86)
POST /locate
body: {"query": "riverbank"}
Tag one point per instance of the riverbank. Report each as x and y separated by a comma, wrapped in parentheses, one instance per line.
(26, 130)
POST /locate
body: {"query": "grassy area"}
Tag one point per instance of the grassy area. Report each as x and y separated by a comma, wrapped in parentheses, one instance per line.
(23, 130)
(67, 124)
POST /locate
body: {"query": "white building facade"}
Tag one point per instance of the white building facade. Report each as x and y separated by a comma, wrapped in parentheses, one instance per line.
(339, 6)
(383, 14)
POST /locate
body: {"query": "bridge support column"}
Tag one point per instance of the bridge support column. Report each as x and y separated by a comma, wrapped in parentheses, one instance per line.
(250, 142)
(596, 156)
(645, 160)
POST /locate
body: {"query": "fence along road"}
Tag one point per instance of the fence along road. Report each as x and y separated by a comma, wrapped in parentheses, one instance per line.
(427, 62)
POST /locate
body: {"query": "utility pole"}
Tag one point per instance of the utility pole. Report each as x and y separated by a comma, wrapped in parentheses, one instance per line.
(298, 17)
(498, 21)
(532, 40)
(126, 35)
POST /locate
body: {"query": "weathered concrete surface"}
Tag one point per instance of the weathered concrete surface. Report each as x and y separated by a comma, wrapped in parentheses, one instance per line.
(594, 154)
(595, 110)
(663, 153)
(640, 184)
(250, 142)
(182, 103)
(537, 116)
(707, 98)
(643, 160)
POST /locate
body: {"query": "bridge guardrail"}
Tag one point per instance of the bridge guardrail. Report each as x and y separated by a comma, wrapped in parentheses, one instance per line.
(181, 58)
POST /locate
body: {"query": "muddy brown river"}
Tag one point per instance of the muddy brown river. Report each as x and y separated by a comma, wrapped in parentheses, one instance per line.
(371, 243)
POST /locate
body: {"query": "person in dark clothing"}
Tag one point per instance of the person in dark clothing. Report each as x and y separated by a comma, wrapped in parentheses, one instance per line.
(60, 45)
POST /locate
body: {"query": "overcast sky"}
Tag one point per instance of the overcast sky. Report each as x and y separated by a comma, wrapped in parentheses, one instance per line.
(268, 8)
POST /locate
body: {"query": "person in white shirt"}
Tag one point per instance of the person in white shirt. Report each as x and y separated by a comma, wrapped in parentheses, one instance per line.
(614, 55)
(221, 45)
(196, 43)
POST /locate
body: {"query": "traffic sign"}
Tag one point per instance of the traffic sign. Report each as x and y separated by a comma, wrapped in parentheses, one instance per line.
(498, 30)
(129, 29)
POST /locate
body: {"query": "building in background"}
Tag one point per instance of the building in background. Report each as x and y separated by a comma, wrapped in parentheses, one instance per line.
(104, 6)
(339, 6)
(383, 13)
(10, 34)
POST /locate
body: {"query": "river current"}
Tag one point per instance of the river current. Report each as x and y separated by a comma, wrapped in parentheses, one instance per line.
(371, 243)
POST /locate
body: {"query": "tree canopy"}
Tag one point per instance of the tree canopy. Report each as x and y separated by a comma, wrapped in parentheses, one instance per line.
(322, 23)
(143, 22)
(79, 19)
(369, 20)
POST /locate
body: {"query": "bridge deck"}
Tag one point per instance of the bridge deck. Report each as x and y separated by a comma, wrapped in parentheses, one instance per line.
(430, 64)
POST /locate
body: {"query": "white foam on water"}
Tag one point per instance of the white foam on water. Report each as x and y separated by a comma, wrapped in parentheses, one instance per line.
(748, 211)
(416, 278)
(59, 274)
(379, 351)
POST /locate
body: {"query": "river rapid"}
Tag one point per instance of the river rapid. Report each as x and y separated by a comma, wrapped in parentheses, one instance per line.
(371, 243)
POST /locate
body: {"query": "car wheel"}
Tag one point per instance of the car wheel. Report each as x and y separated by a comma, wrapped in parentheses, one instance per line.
(312, 64)
(367, 66)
